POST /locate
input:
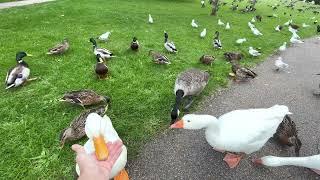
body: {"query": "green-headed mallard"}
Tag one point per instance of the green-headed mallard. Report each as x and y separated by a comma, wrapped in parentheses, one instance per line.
(233, 56)
(134, 44)
(84, 98)
(59, 48)
(216, 41)
(169, 45)
(19, 74)
(242, 73)
(104, 53)
(76, 129)
(159, 58)
(101, 68)
(207, 59)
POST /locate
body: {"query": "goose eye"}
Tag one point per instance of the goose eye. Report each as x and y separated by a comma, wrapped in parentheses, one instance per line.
(188, 120)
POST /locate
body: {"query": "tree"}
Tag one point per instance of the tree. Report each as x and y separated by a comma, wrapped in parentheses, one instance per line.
(215, 7)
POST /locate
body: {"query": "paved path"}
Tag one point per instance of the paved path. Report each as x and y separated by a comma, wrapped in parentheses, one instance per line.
(21, 3)
(183, 154)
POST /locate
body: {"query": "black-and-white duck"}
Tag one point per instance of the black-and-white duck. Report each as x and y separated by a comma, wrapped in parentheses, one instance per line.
(104, 53)
(169, 45)
(134, 44)
(216, 41)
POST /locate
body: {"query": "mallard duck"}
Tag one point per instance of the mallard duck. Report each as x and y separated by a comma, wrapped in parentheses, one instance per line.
(158, 58)
(19, 74)
(188, 84)
(233, 56)
(84, 98)
(169, 45)
(76, 129)
(216, 41)
(241, 73)
(134, 44)
(207, 59)
(287, 134)
(234, 7)
(100, 131)
(312, 162)
(240, 131)
(104, 53)
(60, 48)
(101, 68)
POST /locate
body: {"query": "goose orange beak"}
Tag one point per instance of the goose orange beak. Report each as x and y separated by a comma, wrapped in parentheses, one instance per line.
(177, 125)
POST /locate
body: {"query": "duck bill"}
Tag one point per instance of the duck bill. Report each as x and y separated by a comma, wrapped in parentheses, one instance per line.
(177, 125)
(100, 146)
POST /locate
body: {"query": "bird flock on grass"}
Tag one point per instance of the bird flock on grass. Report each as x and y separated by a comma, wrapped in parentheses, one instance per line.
(240, 132)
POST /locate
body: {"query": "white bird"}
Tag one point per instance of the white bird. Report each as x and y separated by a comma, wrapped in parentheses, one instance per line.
(202, 3)
(253, 20)
(241, 40)
(251, 26)
(216, 41)
(274, 15)
(240, 131)
(254, 52)
(288, 22)
(228, 26)
(280, 65)
(295, 39)
(169, 45)
(203, 33)
(150, 19)
(293, 31)
(312, 162)
(278, 28)
(256, 32)
(194, 24)
(305, 25)
(105, 36)
(283, 47)
(312, 2)
(220, 23)
(313, 17)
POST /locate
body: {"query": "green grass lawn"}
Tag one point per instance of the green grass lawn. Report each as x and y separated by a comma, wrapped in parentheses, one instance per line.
(142, 92)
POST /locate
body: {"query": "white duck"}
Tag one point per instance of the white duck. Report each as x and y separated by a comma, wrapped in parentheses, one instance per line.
(254, 52)
(241, 40)
(220, 23)
(105, 36)
(312, 162)
(280, 65)
(203, 33)
(283, 47)
(240, 131)
(150, 19)
(228, 26)
(96, 127)
(194, 24)
(169, 45)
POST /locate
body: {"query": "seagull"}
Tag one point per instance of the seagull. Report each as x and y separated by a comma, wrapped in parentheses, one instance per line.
(256, 32)
(150, 19)
(216, 41)
(283, 47)
(254, 52)
(228, 26)
(288, 22)
(280, 65)
(253, 20)
(305, 25)
(274, 15)
(251, 25)
(278, 28)
(203, 33)
(220, 23)
(240, 41)
(313, 17)
(194, 24)
(105, 36)
(293, 31)
(295, 39)
(202, 4)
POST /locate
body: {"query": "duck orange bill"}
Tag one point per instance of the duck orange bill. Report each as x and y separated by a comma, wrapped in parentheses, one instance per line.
(177, 125)
(100, 146)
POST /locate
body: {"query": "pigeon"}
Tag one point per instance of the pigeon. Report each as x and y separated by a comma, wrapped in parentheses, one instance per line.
(280, 65)
(105, 36)
(240, 41)
(283, 47)
(305, 25)
(228, 26)
(254, 52)
(203, 33)
(256, 32)
(216, 41)
(220, 23)
(150, 19)
(194, 24)
(202, 4)
(278, 28)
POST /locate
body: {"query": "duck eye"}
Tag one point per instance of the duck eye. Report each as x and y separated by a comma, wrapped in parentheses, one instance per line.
(188, 120)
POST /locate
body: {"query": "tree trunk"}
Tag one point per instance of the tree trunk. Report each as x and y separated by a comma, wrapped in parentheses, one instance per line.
(214, 4)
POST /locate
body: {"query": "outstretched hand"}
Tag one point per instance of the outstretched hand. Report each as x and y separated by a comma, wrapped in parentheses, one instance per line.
(90, 167)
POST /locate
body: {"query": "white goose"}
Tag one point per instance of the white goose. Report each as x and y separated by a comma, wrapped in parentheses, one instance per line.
(240, 131)
(312, 162)
(169, 45)
(203, 33)
(94, 128)
(220, 23)
(194, 24)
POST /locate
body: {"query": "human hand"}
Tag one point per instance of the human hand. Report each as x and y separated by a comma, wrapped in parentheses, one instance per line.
(90, 167)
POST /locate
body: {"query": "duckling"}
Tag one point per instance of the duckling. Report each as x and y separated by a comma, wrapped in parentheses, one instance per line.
(134, 44)
(84, 98)
(76, 129)
(59, 48)
(19, 74)
(101, 68)
(241, 73)
(169, 45)
(159, 58)
(233, 56)
(287, 134)
(188, 84)
(216, 41)
(104, 53)
(207, 59)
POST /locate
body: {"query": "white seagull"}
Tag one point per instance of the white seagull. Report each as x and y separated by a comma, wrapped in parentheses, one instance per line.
(280, 65)
(203, 33)
(241, 40)
(228, 26)
(220, 23)
(278, 28)
(194, 24)
(150, 19)
(253, 20)
(288, 22)
(305, 25)
(254, 52)
(105, 36)
(295, 39)
(256, 32)
(283, 47)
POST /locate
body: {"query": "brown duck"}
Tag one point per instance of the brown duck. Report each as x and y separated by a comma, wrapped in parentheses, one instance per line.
(158, 58)
(59, 48)
(207, 59)
(101, 68)
(233, 56)
(242, 73)
(84, 98)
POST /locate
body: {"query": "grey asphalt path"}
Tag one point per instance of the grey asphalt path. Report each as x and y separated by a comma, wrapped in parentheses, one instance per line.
(21, 3)
(185, 154)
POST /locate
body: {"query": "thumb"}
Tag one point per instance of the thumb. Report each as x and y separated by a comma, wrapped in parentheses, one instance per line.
(82, 158)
